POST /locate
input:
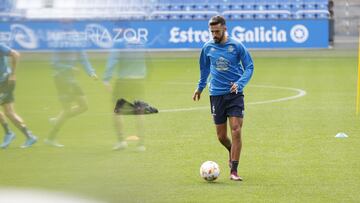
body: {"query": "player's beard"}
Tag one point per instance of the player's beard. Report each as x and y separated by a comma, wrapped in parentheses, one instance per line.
(218, 40)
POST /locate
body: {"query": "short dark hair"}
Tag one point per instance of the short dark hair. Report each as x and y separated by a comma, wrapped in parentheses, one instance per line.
(217, 20)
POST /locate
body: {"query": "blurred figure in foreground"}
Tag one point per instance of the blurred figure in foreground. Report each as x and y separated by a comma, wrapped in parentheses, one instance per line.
(7, 87)
(129, 86)
(70, 93)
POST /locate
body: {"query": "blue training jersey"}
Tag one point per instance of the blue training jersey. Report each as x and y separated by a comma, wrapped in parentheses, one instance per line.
(5, 70)
(128, 65)
(225, 63)
(67, 61)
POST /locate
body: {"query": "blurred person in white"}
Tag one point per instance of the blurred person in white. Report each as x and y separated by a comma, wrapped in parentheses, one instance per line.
(7, 87)
(70, 93)
(130, 74)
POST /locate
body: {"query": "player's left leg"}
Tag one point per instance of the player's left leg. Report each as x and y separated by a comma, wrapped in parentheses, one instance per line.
(67, 112)
(218, 110)
(19, 123)
(9, 135)
(139, 123)
(235, 126)
(119, 127)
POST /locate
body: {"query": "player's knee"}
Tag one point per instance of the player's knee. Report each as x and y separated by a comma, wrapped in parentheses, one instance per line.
(236, 132)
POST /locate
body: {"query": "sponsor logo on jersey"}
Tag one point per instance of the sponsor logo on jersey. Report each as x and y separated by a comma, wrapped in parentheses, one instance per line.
(222, 64)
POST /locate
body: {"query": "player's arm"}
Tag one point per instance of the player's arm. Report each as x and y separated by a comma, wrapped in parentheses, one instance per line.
(110, 66)
(109, 70)
(87, 66)
(248, 66)
(204, 62)
(14, 56)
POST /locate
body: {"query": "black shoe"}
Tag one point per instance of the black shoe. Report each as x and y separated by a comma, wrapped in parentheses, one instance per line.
(144, 108)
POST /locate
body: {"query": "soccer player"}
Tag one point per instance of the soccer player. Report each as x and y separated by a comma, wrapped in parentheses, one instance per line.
(231, 67)
(71, 95)
(7, 87)
(129, 69)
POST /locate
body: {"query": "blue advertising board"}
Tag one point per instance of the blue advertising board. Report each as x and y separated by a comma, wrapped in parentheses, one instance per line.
(102, 35)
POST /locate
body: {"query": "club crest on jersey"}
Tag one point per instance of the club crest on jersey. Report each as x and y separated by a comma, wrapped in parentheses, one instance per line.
(222, 64)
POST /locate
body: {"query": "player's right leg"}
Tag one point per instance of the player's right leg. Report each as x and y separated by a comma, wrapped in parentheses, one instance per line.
(9, 135)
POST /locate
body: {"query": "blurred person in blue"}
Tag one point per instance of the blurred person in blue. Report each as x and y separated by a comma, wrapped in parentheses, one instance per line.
(129, 70)
(230, 67)
(70, 93)
(7, 87)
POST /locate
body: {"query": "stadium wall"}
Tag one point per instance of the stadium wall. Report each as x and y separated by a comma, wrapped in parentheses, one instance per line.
(161, 35)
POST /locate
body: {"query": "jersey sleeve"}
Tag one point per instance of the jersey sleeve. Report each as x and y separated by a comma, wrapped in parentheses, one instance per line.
(204, 62)
(5, 50)
(248, 65)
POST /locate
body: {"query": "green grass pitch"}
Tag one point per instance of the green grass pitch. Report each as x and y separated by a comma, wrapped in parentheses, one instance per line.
(289, 152)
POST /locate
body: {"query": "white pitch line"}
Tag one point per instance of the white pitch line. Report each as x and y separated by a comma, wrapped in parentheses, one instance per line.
(300, 93)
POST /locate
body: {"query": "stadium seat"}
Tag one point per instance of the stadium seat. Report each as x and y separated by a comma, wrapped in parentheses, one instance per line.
(322, 5)
(187, 17)
(176, 7)
(162, 7)
(199, 7)
(260, 16)
(213, 7)
(272, 16)
(261, 7)
(310, 15)
(284, 16)
(223, 7)
(249, 6)
(323, 16)
(199, 17)
(236, 6)
(272, 5)
(237, 16)
(284, 4)
(248, 16)
(309, 4)
(160, 17)
(296, 5)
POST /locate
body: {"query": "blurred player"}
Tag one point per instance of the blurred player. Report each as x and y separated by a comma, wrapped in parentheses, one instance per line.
(130, 73)
(231, 68)
(7, 87)
(70, 93)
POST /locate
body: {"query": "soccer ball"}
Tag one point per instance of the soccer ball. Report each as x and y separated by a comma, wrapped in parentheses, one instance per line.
(209, 170)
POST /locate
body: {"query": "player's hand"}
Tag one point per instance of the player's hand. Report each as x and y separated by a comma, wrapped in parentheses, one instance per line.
(234, 88)
(12, 77)
(196, 96)
(94, 76)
